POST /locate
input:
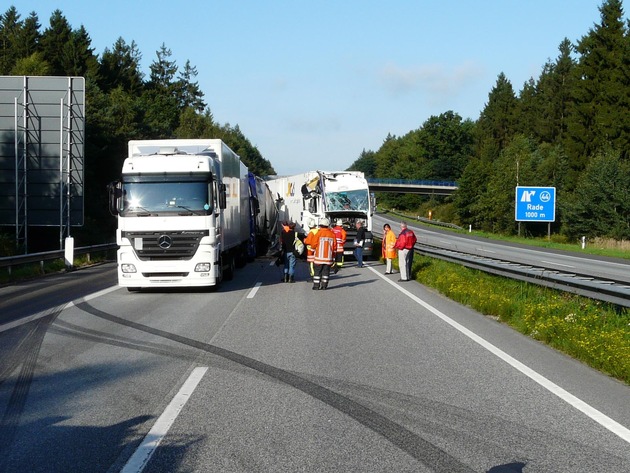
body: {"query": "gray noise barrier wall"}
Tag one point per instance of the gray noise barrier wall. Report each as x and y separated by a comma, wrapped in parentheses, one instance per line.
(42, 135)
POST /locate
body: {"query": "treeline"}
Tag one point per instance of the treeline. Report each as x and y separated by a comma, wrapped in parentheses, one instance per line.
(569, 128)
(121, 103)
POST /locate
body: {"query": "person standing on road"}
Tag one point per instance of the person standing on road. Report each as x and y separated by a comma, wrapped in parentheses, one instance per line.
(287, 237)
(388, 250)
(324, 245)
(359, 240)
(404, 244)
(310, 254)
(340, 236)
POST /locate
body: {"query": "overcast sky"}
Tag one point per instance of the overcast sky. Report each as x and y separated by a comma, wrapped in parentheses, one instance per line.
(313, 83)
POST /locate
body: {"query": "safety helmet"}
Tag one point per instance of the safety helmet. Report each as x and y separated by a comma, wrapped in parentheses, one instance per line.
(324, 222)
(311, 223)
(339, 222)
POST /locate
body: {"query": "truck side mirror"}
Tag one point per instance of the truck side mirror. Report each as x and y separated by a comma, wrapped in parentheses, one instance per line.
(222, 196)
(114, 191)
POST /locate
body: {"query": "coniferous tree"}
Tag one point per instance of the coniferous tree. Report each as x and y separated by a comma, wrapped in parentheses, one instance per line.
(159, 101)
(77, 57)
(29, 36)
(163, 71)
(602, 89)
(190, 92)
(496, 124)
(493, 131)
(528, 109)
(10, 29)
(53, 41)
(120, 67)
(554, 90)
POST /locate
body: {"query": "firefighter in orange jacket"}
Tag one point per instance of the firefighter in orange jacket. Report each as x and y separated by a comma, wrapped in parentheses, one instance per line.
(310, 253)
(324, 245)
(340, 238)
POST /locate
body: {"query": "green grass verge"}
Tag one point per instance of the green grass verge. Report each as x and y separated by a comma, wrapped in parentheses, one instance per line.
(593, 332)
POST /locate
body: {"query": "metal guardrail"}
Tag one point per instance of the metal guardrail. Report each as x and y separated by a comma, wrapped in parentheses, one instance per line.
(615, 292)
(10, 262)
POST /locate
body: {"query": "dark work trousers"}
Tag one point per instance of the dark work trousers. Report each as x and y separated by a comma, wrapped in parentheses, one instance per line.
(322, 274)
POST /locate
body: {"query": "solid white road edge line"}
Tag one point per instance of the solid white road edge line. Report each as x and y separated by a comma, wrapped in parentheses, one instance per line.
(557, 264)
(59, 308)
(597, 416)
(254, 290)
(144, 452)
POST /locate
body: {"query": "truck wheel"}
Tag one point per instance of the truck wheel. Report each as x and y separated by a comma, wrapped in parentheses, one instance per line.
(228, 270)
(241, 257)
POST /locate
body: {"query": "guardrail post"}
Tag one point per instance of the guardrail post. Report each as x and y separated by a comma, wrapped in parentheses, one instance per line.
(69, 253)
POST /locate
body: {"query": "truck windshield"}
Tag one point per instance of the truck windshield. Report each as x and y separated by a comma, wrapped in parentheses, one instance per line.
(144, 197)
(357, 200)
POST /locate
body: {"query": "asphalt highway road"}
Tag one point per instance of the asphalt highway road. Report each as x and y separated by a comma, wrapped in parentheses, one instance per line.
(372, 375)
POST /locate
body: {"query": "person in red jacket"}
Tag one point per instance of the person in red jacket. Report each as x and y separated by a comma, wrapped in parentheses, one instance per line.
(404, 244)
(324, 245)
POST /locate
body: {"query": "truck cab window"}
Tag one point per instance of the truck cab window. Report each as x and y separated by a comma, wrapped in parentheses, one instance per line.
(164, 197)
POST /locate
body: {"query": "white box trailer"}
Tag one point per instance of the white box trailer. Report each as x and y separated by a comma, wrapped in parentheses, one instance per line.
(338, 195)
(183, 210)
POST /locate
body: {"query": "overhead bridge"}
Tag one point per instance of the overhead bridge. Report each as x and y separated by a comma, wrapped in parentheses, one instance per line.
(412, 187)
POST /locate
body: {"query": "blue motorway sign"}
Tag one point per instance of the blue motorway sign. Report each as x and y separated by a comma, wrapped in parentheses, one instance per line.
(535, 204)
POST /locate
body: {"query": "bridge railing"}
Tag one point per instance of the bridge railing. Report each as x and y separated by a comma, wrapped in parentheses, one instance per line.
(411, 182)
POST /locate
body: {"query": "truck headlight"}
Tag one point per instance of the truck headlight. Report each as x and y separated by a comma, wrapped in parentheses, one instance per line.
(202, 268)
(127, 268)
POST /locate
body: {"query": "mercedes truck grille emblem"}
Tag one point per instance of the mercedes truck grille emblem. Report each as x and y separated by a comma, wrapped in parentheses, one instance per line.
(165, 242)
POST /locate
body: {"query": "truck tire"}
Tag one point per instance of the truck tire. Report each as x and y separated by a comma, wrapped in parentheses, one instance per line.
(241, 257)
(228, 267)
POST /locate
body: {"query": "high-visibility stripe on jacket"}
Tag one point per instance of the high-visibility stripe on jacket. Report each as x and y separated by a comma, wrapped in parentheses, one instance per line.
(308, 241)
(340, 237)
(325, 246)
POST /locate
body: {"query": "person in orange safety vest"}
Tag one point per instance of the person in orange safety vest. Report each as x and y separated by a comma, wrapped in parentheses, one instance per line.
(310, 254)
(324, 245)
(340, 238)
